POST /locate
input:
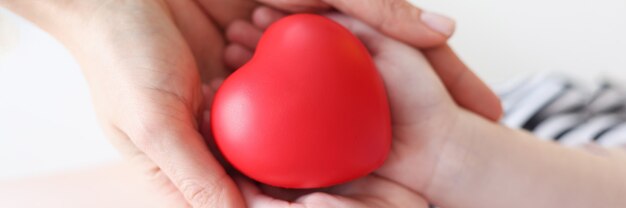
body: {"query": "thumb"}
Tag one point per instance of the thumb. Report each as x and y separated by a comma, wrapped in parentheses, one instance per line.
(400, 20)
(408, 76)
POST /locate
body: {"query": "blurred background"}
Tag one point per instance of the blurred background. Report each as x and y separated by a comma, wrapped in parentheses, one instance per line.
(47, 122)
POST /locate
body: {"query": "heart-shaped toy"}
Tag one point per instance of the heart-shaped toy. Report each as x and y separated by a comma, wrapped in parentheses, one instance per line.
(309, 110)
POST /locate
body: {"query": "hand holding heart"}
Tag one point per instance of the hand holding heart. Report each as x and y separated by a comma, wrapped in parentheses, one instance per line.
(422, 114)
(308, 111)
(144, 61)
(452, 157)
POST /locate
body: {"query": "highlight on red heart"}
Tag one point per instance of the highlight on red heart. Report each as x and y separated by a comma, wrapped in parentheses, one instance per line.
(309, 110)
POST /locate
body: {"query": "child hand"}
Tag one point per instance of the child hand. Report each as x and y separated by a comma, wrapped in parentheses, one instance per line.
(423, 113)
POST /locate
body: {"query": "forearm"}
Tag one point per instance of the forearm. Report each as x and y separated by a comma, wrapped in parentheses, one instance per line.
(46, 14)
(116, 185)
(61, 18)
(494, 166)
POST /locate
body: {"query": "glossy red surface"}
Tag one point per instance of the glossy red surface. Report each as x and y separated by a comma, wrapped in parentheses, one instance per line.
(309, 110)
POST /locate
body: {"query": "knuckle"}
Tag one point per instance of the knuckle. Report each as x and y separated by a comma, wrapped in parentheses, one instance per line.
(389, 17)
(152, 125)
(201, 194)
(198, 195)
(398, 11)
(145, 136)
(153, 132)
(396, 5)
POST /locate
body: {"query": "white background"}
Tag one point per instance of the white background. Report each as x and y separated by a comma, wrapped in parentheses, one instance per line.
(47, 122)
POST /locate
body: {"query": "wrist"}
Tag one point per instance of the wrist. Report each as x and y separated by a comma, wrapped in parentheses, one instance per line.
(467, 159)
(488, 165)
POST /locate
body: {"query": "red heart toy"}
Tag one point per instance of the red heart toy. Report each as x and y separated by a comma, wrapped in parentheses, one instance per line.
(309, 110)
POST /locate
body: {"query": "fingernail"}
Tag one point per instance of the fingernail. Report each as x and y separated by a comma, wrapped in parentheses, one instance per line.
(439, 23)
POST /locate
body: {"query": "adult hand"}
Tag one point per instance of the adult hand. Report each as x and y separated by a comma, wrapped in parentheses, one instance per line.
(143, 60)
(419, 28)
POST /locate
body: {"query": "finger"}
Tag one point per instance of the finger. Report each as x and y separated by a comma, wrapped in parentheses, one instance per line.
(286, 194)
(371, 38)
(376, 187)
(263, 17)
(205, 127)
(399, 19)
(255, 198)
(297, 6)
(322, 199)
(225, 12)
(244, 33)
(181, 153)
(208, 43)
(148, 171)
(463, 85)
(465, 88)
(407, 75)
(236, 55)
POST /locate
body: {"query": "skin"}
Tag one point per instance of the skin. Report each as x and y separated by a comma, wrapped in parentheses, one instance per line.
(371, 191)
(395, 61)
(409, 78)
(453, 157)
(395, 18)
(108, 185)
(145, 62)
(400, 20)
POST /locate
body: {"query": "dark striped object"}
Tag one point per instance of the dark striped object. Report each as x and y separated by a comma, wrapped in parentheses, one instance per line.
(555, 107)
